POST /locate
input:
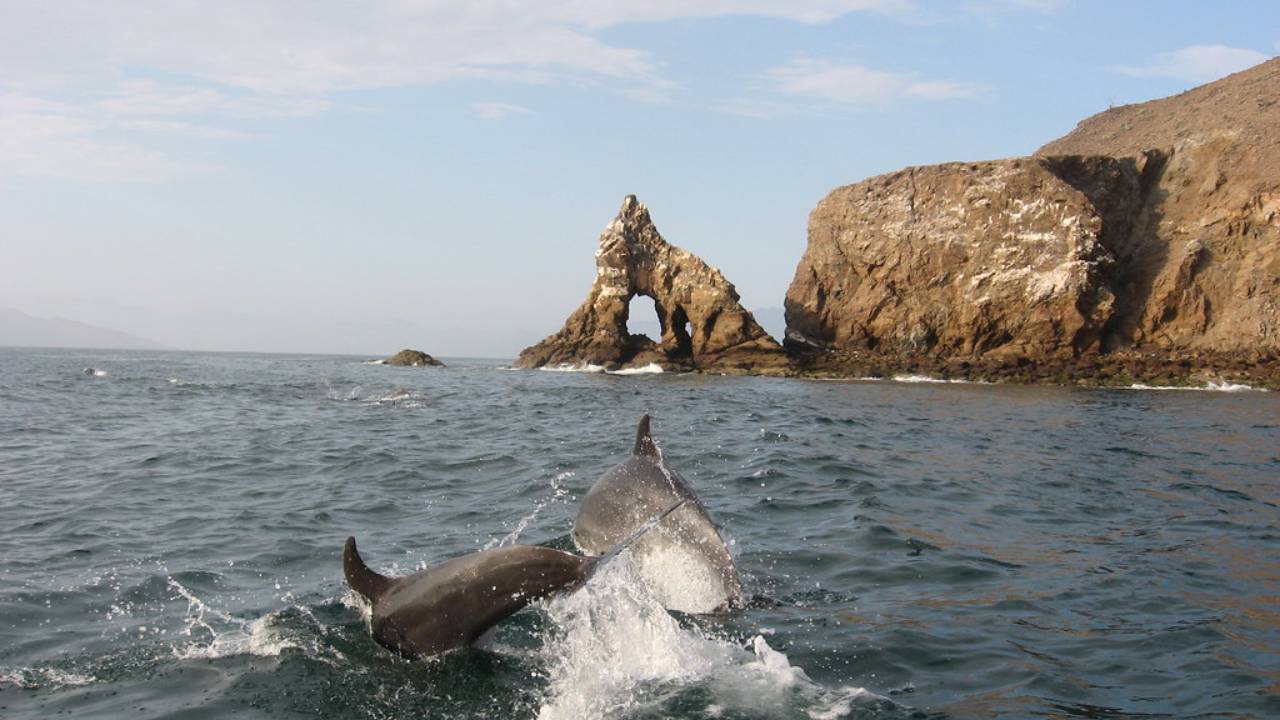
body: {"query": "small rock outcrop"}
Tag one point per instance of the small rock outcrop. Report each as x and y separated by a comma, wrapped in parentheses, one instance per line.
(703, 325)
(1143, 245)
(412, 358)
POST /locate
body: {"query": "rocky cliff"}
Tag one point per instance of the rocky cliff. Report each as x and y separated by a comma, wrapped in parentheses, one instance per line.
(1198, 254)
(703, 326)
(1142, 245)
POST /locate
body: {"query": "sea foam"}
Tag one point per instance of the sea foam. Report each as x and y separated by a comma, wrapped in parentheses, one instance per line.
(615, 650)
(1211, 386)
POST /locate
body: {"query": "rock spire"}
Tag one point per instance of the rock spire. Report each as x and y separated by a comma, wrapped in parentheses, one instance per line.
(703, 325)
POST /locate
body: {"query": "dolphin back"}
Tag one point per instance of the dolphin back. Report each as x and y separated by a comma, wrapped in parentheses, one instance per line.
(365, 582)
(628, 497)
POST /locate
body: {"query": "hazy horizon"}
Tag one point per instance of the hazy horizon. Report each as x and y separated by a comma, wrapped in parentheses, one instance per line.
(328, 178)
(19, 329)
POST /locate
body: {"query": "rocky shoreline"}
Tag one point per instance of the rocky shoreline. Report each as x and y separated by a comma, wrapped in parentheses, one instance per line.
(1119, 369)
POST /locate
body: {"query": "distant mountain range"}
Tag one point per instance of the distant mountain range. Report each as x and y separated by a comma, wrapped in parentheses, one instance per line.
(21, 329)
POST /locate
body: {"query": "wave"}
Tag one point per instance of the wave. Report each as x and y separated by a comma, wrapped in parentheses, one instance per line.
(1211, 386)
(913, 378)
(650, 369)
(571, 367)
(399, 397)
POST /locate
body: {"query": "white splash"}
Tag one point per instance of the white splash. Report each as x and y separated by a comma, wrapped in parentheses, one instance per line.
(215, 634)
(569, 367)
(928, 379)
(650, 369)
(678, 576)
(255, 637)
(1211, 386)
(615, 650)
(558, 491)
(36, 678)
(401, 398)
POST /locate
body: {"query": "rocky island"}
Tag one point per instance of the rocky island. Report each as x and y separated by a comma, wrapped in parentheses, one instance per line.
(1142, 247)
(412, 358)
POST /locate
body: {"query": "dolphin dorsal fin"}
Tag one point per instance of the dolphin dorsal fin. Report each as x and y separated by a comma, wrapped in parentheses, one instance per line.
(365, 582)
(644, 444)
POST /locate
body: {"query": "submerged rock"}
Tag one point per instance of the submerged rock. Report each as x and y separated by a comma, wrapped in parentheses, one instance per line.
(703, 325)
(412, 358)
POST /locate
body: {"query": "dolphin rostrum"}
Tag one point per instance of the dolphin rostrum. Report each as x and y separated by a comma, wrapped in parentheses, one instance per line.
(452, 604)
(685, 560)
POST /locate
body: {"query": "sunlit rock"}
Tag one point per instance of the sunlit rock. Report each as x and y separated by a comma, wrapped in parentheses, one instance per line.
(703, 326)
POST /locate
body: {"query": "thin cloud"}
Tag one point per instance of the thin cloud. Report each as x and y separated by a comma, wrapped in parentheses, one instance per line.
(150, 98)
(859, 85)
(1196, 63)
(48, 145)
(498, 110)
(1000, 8)
(594, 13)
(1043, 6)
(189, 130)
(87, 63)
(760, 109)
(269, 48)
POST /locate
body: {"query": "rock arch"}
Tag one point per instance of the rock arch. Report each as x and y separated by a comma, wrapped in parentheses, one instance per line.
(634, 259)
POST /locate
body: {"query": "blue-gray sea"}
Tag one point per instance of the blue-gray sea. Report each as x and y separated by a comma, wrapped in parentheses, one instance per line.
(171, 530)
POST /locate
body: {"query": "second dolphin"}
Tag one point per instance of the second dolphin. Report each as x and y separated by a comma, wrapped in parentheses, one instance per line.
(685, 560)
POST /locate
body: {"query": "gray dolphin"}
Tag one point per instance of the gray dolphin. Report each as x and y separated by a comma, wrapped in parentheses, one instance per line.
(685, 560)
(452, 604)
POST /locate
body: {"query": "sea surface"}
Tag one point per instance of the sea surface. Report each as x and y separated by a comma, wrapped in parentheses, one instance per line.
(171, 529)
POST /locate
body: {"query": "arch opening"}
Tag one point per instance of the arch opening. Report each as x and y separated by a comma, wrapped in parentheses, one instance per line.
(643, 318)
(683, 330)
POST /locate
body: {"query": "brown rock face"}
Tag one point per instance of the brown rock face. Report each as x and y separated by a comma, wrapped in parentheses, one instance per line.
(967, 259)
(1198, 265)
(703, 325)
(412, 358)
(1150, 234)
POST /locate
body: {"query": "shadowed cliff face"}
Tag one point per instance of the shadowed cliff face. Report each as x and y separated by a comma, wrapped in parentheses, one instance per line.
(1200, 260)
(1150, 229)
(703, 326)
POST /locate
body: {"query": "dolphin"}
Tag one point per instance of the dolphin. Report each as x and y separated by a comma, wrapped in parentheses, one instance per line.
(685, 561)
(452, 604)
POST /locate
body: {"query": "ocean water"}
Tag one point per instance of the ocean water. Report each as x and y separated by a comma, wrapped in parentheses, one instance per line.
(171, 530)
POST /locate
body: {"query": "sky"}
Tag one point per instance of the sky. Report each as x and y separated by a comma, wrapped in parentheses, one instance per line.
(339, 177)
